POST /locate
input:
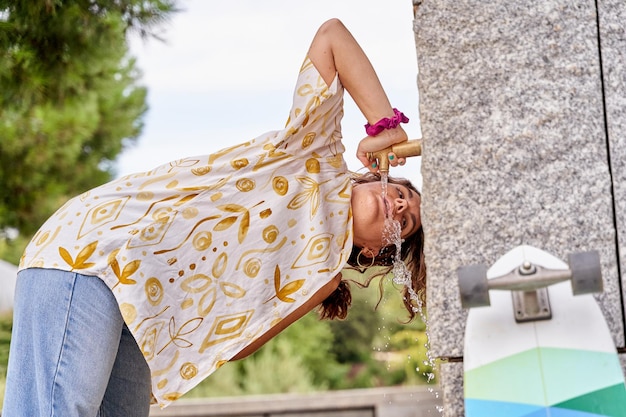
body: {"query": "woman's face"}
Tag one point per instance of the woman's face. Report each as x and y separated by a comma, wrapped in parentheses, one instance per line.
(369, 210)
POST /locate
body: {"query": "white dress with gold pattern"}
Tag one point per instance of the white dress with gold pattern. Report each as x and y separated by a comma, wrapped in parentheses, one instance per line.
(206, 253)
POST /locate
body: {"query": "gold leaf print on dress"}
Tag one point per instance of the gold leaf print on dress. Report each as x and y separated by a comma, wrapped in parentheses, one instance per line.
(280, 185)
(207, 301)
(41, 240)
(123, 276)
(272, 157)
(155, 180)
(316, 251)
(311, 195)
(185, 199)
(283, 292)
(308, 90)
(252, 267)
(41, 237)
(213, 157)
(335, 146)
(187, 302)
(147, 343)
(82, 197)
(200, 171)
(129, 312)
(154, 233)
(322, 94)
(312, 166)
(204, 239)
(154, 291)
(183, 163)
(263, 250)
(176, 335)
(202, 188)
(156, 230)
(232, 290)
(226, 327)
(308, 139)
(81, 257)
(103, 213)
(244, 224)
(188, 370)
(306, 64)
(196, 283)
(172, 396)
(162, 213)
(145, 196)
(225, 223)
(219, 266)
(239, 163)
(270, 233)
(190, 212)
(168, 366)
(317, 94)
(245, 184)
(135, 330)
(340, 193)
(335, 161)
(145, 214)
(293, 130)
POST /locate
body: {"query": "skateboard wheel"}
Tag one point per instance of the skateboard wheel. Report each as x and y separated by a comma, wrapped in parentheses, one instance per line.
(473, 286)
(586, 272)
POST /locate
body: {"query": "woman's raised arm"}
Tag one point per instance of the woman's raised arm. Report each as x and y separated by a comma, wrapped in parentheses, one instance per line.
(335, 51)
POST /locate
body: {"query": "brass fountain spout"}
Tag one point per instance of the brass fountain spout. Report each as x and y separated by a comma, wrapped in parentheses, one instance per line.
(402, 150)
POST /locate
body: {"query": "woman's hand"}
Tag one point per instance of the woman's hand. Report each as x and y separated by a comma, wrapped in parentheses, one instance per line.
(383, 140)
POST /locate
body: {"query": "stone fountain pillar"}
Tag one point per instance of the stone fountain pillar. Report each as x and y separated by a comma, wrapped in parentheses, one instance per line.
(523, 114)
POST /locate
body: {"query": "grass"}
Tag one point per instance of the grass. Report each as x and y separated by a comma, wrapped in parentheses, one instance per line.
(5, 338)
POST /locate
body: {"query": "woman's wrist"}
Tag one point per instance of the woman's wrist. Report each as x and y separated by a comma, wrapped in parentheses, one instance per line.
(386, 123)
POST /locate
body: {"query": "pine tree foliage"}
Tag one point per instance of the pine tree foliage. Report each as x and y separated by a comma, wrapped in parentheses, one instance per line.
(70, 98)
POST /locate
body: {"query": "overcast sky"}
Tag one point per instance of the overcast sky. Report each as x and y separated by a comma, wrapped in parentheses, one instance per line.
(227, 70)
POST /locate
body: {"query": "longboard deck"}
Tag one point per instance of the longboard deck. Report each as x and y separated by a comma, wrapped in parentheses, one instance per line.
(563, 367)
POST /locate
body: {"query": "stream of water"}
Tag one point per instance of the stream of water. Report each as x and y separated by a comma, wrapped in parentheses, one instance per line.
(402, 276)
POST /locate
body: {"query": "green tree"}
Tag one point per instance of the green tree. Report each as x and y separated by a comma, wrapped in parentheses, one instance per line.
(376, 340)
(69, 98)
(354, 336)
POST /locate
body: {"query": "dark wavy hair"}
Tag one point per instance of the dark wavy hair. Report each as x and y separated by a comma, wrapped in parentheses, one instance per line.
(411, 252)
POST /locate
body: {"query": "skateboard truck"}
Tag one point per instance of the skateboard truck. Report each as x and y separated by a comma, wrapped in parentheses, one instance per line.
(529, 284)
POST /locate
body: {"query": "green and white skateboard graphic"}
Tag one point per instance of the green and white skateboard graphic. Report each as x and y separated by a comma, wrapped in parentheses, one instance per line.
(538, 350)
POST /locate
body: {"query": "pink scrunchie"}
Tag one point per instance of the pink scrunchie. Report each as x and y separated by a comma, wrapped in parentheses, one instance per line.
(386, 123)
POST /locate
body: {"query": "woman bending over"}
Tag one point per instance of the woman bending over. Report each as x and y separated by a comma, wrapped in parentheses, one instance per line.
(135, 291)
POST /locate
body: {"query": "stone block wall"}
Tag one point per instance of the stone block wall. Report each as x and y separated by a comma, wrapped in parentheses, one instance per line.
(523, 114)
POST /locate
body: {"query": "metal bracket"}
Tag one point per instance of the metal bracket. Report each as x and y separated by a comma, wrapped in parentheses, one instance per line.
(531, 305)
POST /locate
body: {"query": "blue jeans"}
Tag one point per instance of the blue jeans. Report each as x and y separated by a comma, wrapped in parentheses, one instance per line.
(71, 354)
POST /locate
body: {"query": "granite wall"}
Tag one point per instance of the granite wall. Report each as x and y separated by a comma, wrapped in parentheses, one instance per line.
(522, 108)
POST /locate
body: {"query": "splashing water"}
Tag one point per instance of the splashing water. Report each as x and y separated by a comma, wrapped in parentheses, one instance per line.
(402, 276)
